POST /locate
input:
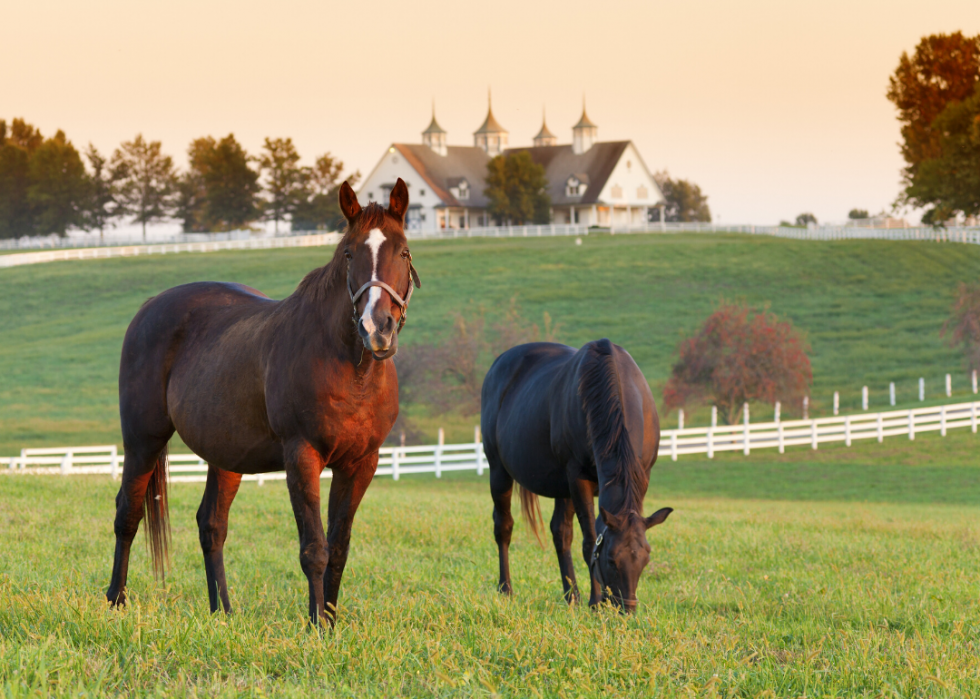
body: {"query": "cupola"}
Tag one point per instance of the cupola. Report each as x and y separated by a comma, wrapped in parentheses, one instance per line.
(435, 136)
(584, 133)
(491, 136)
(545, 137)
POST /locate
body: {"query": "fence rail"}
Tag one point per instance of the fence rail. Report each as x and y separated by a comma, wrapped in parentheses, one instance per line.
(438, 459)
(297, 241)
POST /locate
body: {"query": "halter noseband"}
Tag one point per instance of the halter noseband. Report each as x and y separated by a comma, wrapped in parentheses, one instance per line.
(596, 571)
(402, 303)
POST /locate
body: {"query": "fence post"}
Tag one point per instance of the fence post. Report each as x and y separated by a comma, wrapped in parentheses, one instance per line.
(847, 430)
(922, 389)
(881, 429)
(813, 434)
(949, 386)
(114, 467)
(836, 402)
(806, 407)
(714, 415)
(66, 463)
(745, 430)
(711, 441)
(864, 398)
(891, 393)
(673, 445)
(911, 425)
(974, 381)
(973, 417)
(775, 412)
(942, 420)
(680, 419)
(260, 479)
(23, 458)
(779, 432)
(442, 440)
(394, 464)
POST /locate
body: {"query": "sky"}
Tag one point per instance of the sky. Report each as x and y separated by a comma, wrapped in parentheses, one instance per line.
(773, 107)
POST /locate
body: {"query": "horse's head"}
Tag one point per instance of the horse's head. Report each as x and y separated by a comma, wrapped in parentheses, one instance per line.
(621, 553)
(380, 274)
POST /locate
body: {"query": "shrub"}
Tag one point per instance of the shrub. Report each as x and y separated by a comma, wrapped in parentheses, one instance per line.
(962, 328)
(739, 356)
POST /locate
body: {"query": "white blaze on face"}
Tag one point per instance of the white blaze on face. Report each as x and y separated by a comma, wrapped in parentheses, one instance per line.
(374, 241)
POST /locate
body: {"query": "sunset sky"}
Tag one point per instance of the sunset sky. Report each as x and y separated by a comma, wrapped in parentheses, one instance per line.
(772, 107)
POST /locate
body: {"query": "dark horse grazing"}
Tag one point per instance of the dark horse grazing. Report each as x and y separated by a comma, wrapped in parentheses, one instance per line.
(567, 424)
(254, 385)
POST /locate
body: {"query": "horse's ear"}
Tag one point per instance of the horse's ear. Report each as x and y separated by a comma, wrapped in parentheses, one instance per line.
(348, 202)
(658, 517)
(398, 201)
(614, 522)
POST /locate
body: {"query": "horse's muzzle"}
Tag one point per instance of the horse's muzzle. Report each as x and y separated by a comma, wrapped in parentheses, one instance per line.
(382, 345)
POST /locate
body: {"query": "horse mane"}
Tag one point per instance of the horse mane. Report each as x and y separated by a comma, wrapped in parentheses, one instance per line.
(602, 402)
(316, 283)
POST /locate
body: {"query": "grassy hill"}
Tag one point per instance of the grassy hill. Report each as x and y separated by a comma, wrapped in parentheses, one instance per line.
(872, 310)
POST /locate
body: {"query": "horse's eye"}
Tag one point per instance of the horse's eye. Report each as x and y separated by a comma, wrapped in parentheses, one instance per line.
(406, 254)
(347, 254)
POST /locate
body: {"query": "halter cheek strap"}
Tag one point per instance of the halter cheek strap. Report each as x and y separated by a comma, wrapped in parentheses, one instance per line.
(402, 303)
(596, 571)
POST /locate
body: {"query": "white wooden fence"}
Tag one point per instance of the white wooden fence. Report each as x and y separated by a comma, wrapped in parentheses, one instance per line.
(438, 459)
(297, 241)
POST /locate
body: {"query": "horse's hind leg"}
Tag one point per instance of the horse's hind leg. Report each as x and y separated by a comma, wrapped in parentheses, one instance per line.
(139, 467)
(501, 487)
(561, 533)
(212, 522)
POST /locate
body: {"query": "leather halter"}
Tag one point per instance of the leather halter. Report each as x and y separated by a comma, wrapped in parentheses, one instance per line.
(402, 303)
(596, 571)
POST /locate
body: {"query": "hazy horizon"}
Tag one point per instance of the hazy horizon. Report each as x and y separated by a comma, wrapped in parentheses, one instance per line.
(772, 108)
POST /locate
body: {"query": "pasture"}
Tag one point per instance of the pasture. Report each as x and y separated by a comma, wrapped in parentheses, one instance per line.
(872, 311)
(838, 573)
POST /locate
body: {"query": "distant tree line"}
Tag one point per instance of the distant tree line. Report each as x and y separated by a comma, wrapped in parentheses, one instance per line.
(47, 187)
(684, 200)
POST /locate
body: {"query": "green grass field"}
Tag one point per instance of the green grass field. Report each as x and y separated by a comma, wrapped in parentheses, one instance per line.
(838, 573)
(872, 311)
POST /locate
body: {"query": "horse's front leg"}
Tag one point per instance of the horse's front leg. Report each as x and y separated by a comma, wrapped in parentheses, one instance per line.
(348, 486)
(583, 492)
(303, 467)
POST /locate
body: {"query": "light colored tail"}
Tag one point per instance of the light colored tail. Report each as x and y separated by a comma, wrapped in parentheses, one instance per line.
(157, 514)
(531, 509)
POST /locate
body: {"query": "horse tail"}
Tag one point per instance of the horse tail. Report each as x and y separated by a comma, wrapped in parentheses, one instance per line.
(531, 509)
(158, 516)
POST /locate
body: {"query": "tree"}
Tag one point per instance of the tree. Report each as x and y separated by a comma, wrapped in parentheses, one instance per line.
(855, 214)
(517, 189)
(147, 180)
(101, 206)
(684, 200)
(736, 357)
(319, 207)
(805, 219)
(284, 178)
(17, 145)
(949, 182)
(962, 328)
(219, 192)
(945, 68)
(58, 186)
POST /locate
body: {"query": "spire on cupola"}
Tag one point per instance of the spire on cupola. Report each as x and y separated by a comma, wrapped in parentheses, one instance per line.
(435, 136)
(491, 136)
(545, 137)
(584, 133)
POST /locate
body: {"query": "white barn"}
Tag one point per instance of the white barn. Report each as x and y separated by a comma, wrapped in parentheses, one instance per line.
(590, 181)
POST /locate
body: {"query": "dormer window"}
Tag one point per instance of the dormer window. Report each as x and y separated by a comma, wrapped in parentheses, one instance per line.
(576, 185)
(459, 188)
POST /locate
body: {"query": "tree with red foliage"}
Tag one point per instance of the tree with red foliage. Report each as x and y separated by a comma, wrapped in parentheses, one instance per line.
(962, 328)
(738, 356)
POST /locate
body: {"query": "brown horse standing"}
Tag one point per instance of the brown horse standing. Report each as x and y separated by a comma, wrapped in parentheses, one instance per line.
(254, 385)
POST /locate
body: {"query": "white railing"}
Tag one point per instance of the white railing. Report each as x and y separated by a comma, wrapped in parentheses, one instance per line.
(438, 459)
(297, 241)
